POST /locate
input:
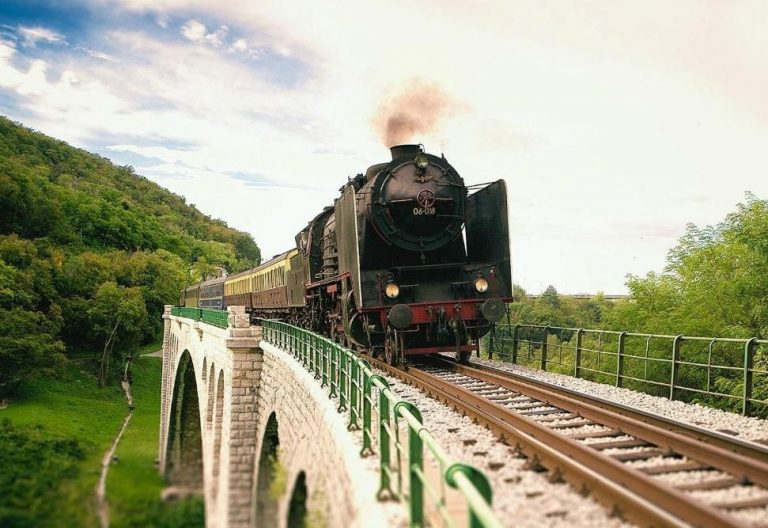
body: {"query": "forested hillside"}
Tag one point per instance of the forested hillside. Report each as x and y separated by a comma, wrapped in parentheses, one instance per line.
(90, 252)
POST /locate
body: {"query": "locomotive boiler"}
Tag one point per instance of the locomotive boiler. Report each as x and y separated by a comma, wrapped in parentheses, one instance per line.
(408, 260)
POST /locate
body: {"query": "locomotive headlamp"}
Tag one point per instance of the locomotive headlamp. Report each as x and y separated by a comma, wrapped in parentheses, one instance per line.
(421, 161)
(392, 290)
(481, 285)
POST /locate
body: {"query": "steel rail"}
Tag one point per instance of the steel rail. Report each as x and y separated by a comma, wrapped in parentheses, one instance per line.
(747, 448)
(628, 492)
(741, 466)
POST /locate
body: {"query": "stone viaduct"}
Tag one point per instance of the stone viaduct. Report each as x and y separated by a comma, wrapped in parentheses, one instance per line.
(247, 428)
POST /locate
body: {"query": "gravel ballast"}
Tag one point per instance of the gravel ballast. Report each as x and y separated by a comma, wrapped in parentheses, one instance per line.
(745, 428)
(522, 497)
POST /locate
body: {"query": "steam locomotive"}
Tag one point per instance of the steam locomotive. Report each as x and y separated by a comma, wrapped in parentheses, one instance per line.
(409, 260)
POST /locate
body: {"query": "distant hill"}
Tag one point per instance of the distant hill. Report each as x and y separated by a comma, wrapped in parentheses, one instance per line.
(90, 252)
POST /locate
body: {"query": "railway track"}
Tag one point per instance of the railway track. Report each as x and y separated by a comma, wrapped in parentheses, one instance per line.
(646, 469)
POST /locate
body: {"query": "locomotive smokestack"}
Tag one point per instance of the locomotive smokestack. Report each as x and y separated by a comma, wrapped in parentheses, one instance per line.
(398, 151)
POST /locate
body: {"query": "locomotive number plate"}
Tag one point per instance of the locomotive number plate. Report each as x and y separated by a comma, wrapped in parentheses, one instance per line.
(418, 211)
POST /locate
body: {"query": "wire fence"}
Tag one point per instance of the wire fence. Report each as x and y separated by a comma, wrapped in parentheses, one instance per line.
(391, 429)
(728, 373)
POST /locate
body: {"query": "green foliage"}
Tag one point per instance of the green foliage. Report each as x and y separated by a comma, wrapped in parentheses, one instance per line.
(70, 409)
(34, 465)
(117, 317)
(714, 283)
(553, 309)
(72, 223)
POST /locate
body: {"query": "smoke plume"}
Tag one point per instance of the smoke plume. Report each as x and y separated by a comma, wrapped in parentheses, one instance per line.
(417, 110)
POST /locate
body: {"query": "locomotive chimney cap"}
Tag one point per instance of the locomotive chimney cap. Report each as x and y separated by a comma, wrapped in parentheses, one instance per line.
(398, 151)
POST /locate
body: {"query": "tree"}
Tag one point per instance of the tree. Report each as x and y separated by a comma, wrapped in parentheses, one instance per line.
(118, 317)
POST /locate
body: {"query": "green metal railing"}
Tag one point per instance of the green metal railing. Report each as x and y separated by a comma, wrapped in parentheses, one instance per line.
(724, 372)
(391, 428)
(213, 317)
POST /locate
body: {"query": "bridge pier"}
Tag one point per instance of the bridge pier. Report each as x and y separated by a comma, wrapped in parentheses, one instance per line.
(208, 413)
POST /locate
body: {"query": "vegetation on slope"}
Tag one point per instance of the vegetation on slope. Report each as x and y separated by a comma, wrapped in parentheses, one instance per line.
(51, 443)
(89, 253)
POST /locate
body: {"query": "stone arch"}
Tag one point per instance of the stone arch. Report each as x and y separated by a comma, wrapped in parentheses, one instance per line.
(297, 507)
(211, 393)
(219, 418)
(266, 498)
(184, 466)
(205, 368)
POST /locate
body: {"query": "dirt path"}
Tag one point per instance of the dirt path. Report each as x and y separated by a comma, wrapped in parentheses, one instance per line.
(106, 461)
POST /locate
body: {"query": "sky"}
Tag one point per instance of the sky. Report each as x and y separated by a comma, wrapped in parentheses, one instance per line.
(614, 123)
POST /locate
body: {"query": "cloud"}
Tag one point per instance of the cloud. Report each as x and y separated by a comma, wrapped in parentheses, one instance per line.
(30, 36)
(99, 55)
(590, 122)
(196, 31)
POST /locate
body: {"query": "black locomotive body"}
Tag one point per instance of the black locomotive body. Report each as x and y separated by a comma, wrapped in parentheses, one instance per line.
(407, 261)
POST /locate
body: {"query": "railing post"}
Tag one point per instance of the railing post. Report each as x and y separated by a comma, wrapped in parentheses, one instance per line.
(490, 341)
(577, 361)
(334, 374)
(367, 411)
(514, 343)
(415, 464)
(620, 360)
(324, 352)
(354, 387)
(749, 359)
(342, 378)
(478, 479)
(673, 378)
(544, 345)
(385, 480)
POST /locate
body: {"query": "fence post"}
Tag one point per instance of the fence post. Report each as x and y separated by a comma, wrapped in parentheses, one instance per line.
(675, 365)
(415, 463)
(324, 361)
(544, 345)
(354, 387)
(385, 481)
(342, 378)
(620, 360)
(514, 343)
(367, 399)
(334, 365)
(577, 361)
(490, 341)
(749, 359)
(478, 479)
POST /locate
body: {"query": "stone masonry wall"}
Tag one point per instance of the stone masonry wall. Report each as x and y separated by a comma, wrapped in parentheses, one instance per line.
(314, 438)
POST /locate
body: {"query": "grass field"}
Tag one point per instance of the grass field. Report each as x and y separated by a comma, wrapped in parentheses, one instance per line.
(52, 438)
(134, 484)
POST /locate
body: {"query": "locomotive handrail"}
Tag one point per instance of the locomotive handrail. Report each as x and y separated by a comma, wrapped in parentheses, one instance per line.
(360, 391)
(722, 371)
